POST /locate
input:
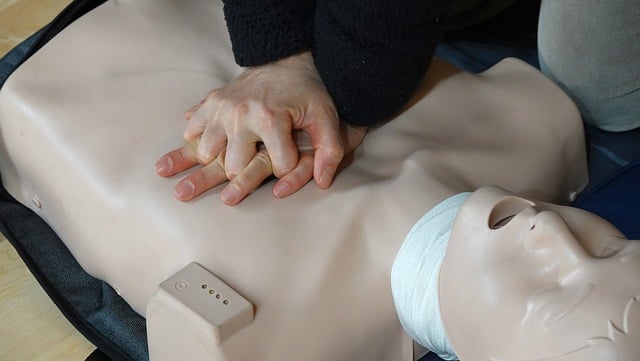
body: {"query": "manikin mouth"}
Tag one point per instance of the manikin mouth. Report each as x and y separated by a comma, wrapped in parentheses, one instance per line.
(616, 332)
(554, 304)
(545, 358)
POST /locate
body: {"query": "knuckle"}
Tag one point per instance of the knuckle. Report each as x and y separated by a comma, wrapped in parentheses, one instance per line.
(298, 178)
(195, 128)
(263, 159)
(334, 152)
(213, 95)
(231, 174)
(284, 164)
(219, 162)
(270, 121)
(198, 179)
(242, 181)
(205, 154)
(267, 114)
(240, 110)
(284, 169)
(183, 155)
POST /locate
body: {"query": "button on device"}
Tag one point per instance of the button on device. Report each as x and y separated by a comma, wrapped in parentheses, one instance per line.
(181, 285)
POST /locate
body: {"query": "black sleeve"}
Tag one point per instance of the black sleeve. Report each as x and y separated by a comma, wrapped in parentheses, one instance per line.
(263, 31)
(372, 54)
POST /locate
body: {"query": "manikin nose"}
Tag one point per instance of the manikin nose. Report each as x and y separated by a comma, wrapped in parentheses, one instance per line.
(550, 237)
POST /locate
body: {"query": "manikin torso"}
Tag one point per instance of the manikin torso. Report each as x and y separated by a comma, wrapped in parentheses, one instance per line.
(83, 121)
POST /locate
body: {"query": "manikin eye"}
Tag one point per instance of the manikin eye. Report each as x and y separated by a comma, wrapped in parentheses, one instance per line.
(505, 210)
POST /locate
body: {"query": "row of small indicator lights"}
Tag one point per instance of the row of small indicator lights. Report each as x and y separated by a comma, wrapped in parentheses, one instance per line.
(213, 292)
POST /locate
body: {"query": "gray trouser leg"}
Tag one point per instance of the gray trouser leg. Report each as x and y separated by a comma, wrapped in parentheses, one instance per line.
(591, 48)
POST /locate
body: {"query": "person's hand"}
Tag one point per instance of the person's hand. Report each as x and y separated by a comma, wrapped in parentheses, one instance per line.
(263, 106)
(259, 168)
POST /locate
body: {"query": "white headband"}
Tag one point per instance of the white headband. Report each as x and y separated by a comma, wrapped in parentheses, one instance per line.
(415, 272)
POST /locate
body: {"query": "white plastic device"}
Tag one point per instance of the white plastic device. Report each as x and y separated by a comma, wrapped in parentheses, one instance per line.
(191, 313)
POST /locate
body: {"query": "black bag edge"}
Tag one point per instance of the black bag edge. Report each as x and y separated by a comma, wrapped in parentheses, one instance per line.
(22, 52)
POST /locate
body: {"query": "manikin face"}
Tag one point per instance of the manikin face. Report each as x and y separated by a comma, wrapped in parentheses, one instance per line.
(525, 280)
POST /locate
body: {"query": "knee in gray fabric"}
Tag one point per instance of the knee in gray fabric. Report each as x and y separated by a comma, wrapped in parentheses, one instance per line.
(591, 49)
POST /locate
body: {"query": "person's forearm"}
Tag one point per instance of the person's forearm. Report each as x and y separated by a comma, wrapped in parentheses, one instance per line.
(372, 54)
(263, 31)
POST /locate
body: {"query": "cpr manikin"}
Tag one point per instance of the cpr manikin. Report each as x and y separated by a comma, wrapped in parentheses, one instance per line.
(84, 120)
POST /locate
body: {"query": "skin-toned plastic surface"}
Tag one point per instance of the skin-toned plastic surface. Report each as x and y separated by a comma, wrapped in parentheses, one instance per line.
(541, 282)
(83, 121)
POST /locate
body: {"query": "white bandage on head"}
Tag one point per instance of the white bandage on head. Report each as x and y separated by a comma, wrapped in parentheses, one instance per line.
(415, 272)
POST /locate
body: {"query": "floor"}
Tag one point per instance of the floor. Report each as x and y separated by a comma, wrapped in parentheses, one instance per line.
(31, 327)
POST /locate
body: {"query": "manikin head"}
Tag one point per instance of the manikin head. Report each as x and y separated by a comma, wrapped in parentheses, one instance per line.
(524, 280)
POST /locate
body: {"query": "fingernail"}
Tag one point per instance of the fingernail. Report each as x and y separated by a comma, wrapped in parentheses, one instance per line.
(230, 194)
(185, 190)
(281, 190)
(326, 177)
(163, 165)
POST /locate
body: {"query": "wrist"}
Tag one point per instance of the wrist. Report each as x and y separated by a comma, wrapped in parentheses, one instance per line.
(302, 60)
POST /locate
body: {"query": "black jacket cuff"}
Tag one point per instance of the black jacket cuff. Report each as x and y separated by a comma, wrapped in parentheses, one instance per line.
(263, 31)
